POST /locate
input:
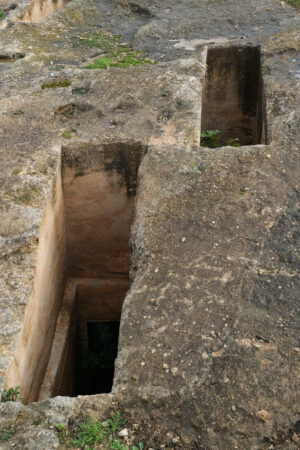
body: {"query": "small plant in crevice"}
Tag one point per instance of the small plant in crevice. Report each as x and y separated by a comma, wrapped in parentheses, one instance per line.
(1, 13)
(233, 142)
(11, 395)
(209, 138)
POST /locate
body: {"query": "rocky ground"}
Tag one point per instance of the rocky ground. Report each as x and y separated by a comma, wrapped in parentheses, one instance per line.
(209, 340)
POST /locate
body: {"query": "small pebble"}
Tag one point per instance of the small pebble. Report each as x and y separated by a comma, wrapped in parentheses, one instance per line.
(295, 438)
(123, 433)
(263, 415)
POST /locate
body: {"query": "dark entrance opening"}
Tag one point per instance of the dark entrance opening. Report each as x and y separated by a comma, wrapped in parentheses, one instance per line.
(233, 97)
(95, 364)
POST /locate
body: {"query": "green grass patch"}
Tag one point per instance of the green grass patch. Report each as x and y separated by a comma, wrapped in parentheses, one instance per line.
(114, 53)
(295, 3)
(103, 40)
(1, 13)
(66, 135)
(56, 84)
(7, 433)
(241, 193)
(90, 434)
(119, 59)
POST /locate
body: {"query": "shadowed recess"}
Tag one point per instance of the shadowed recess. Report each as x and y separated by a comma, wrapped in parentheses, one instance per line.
(233, 98)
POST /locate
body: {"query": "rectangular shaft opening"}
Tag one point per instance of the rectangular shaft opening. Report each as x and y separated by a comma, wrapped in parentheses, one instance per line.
(233, 110)
(95, 361)
(99, 187)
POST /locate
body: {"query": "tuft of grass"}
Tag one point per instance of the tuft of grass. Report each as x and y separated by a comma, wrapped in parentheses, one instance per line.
(11, 395)
(1, 13)
(66, 134)
(241, 192)
(294, 3)
(119, 59)
(36, 423)
(233, 142)
(107, 42)
(7, 433)
(56, 84)
(89, 434)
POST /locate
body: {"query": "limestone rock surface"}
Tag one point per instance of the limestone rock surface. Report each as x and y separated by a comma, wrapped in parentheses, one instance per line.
(209, 334)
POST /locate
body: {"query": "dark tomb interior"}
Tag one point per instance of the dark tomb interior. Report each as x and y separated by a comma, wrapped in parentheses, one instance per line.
(95, 367)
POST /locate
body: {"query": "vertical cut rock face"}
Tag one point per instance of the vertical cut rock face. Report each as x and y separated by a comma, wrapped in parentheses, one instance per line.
(31, 358)
(233, 99)
(40, 9)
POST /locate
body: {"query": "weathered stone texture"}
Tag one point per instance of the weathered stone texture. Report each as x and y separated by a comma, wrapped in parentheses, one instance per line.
(210, 326)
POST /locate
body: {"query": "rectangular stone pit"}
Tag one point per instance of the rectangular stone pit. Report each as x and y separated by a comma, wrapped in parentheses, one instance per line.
(233, 96)
(82, 305)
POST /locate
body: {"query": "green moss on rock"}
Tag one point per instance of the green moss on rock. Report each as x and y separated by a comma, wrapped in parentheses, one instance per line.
(122, 59)
(24, 196)
(56, 84)
(115, 53)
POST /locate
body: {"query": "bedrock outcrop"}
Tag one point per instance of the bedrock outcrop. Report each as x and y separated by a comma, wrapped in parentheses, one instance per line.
(209, 338)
